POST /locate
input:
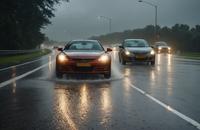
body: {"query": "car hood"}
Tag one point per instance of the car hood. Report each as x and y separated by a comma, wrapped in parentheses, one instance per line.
(83, 55)
(139, 49)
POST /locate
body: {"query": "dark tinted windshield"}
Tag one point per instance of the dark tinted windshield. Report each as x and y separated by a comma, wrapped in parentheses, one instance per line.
(84, 46)
(135, 43)
(161, 44)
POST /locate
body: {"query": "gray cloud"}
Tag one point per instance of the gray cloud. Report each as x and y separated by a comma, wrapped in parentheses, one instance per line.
(78, 19)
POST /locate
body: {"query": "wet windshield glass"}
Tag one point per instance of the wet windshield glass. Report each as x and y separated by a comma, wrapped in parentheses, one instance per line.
(84, 46)
(161, 44)
(135, 43)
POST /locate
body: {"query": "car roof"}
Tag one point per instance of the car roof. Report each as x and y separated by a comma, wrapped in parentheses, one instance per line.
(84, 40)
(135, 39)
(160, 42)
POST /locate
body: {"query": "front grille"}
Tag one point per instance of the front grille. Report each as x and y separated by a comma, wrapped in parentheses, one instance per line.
(140, 53)
(83, 60)
(84, 69)
(164, 49)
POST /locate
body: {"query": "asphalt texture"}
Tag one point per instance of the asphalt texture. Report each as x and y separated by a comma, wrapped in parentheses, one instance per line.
(84, 102)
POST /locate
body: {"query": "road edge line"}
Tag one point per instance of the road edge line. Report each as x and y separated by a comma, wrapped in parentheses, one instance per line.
(25, 63)
(21, 76)
(177, 113)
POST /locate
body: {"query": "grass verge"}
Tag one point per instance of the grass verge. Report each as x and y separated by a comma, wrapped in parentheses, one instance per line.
(17, 59)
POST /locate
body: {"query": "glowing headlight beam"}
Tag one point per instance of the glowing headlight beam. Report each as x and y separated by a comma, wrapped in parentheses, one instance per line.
(62, 58)
(104, 58)
(152, 52)
(127, 52)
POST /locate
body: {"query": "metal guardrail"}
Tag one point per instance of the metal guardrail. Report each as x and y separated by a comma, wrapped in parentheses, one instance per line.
(16, 52)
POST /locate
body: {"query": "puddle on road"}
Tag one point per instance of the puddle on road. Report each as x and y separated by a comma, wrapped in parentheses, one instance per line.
(65, 80)
(86, 78)
(80, 79)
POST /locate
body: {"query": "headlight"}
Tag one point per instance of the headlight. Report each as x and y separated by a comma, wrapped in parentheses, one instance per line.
(62, 58)
(152, 52)
(104, 58)
(127, 52)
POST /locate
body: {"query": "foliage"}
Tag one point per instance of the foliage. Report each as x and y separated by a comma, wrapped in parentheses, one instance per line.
(16, 59)
(21, 22)
(179, 36)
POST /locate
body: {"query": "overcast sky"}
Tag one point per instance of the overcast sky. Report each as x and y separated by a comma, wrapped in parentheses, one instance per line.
(78, 19)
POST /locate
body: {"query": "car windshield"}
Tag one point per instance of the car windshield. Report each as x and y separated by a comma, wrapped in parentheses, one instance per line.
(161, 44)
(84, 46)
(135, 43)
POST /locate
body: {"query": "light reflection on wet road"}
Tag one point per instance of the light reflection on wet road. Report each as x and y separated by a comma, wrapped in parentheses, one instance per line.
(44, 102)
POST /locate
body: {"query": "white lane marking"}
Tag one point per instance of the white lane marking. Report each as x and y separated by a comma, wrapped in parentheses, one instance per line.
(22, 76)
(186, 58)
(184, 117)
(22, 64)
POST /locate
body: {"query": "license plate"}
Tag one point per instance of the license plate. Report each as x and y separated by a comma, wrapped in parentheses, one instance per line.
(83, 64)
(140, 57)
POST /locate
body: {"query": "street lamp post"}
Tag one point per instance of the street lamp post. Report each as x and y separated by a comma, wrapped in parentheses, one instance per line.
(109, 20)
(156, 13)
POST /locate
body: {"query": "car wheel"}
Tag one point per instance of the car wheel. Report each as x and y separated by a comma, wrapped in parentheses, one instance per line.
(152, 62)
(107, 75)
(119, 59)
(59, 75)
(123, 61)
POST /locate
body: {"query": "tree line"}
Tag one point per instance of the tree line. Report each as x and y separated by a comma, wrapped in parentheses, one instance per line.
(21, 22)
(180, 36)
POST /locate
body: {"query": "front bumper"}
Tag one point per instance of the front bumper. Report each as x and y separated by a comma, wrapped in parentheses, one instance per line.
(72, 68)
(139, 58)
(163, 50)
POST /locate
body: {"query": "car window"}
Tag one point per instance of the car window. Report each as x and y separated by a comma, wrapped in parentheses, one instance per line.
(135, 43)
(84, 46)
(161, 44)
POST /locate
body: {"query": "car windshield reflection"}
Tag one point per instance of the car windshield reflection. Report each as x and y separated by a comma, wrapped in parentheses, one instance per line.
(84, 46)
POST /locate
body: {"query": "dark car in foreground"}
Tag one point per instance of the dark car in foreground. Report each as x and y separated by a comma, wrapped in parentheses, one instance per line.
(83, 56)
(162, 47)
(136, 50)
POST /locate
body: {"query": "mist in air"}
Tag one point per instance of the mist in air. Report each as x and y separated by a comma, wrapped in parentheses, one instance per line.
(78, 19)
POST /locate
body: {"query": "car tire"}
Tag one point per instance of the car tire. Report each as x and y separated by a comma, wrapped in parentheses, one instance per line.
(123, 61)
(119, 59)
(59, 75)
(152, 62)
(107, 75)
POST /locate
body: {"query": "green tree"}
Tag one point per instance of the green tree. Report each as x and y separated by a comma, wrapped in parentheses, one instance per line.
(21, 22)
(179, 36)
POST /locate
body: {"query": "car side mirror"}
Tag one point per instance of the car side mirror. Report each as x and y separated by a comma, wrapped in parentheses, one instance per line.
(109, 50)
(60, 49)
(121, 47)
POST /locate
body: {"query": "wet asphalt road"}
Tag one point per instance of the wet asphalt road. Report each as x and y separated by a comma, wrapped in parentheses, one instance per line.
(41, 101)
